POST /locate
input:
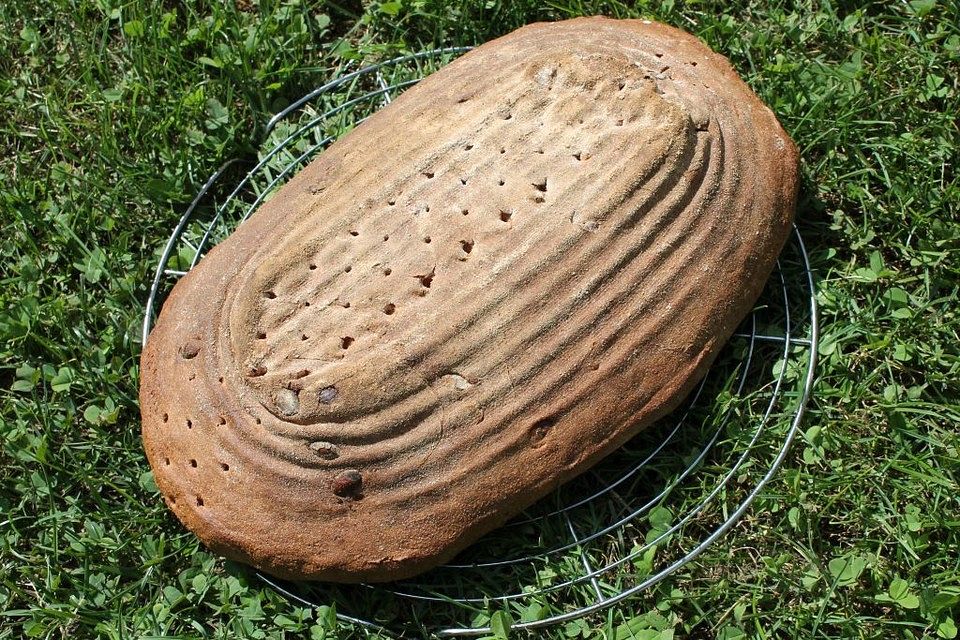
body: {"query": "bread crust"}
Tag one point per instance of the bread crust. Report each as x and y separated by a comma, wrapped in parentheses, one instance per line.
(472, 297)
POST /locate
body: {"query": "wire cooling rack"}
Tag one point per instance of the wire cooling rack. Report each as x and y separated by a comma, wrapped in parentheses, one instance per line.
(615, 531)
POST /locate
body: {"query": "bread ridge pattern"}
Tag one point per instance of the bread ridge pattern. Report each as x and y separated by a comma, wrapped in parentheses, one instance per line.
(470, 298)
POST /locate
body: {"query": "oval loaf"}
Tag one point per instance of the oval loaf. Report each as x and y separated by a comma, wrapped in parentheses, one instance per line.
(470, 298)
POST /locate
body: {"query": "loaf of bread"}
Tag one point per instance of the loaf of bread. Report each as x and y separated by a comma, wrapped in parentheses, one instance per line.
(473, 296)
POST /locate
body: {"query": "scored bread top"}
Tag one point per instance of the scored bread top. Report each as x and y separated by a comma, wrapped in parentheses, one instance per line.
(470, 298)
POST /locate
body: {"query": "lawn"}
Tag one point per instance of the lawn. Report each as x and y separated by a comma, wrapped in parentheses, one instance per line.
(113, 116)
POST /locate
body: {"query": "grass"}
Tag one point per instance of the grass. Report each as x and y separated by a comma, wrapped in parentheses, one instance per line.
(113, 114)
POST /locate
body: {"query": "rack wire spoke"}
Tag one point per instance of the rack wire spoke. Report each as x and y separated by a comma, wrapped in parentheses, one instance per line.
(589, 572)
(668, 494)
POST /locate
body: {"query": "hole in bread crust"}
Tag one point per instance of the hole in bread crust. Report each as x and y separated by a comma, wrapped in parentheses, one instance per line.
(540, 428)
(389, 308)
(505, 215)
(325, 450)
(190, 350)
(348, 484)
(199, 501)
(225, 466)
(193, 463)
(287, 400)
(427, 280)
(345, 342)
